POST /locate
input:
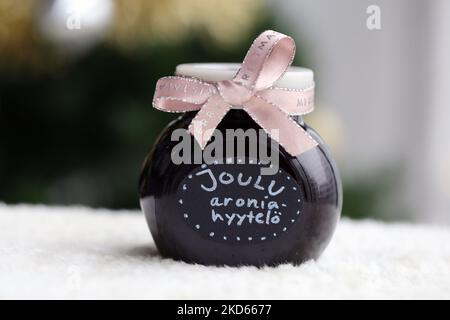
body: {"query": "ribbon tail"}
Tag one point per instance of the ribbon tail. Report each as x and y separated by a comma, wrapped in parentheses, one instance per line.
(291, 136)
(207, 119)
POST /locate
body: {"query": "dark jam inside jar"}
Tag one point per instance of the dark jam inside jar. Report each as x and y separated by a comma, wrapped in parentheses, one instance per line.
(228, 213)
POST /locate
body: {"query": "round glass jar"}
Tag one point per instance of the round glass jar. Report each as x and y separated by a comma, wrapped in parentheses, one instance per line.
(227, 212)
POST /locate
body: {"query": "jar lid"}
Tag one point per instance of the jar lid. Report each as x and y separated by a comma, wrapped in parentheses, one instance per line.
(294, 78)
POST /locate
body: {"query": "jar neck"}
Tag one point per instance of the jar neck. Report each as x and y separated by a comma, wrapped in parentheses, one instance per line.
(236, 114)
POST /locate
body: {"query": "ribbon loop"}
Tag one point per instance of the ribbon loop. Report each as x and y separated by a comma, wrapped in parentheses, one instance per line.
(268, 58)
(181, 94)
(252, 87)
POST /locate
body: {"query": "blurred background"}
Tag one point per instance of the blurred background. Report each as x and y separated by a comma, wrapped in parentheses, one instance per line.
(77, 79)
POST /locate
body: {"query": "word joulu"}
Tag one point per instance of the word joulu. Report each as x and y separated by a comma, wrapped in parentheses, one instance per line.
(227, 178)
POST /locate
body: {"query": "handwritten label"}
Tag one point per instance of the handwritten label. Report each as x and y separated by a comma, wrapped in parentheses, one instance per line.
(234, 203)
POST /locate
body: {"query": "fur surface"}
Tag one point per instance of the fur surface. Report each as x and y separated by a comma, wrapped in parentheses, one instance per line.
(77, 252)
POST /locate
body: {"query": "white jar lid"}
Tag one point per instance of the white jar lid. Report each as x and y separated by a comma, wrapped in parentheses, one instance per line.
(294, 78)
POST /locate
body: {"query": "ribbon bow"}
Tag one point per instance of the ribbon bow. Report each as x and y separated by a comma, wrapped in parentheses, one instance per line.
(253, 88)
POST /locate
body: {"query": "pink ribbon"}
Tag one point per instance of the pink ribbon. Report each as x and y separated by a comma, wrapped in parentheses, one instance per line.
(253, 88)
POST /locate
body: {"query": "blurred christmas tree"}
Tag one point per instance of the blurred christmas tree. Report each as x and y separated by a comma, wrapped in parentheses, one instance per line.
(74, 128)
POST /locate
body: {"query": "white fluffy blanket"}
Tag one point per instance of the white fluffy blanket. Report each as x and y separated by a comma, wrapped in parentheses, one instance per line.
(76, 252)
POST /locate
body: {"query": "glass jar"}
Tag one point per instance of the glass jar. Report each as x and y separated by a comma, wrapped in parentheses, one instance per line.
(228, 212)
